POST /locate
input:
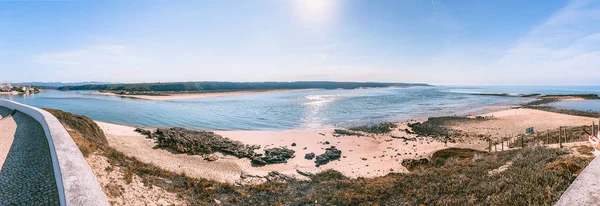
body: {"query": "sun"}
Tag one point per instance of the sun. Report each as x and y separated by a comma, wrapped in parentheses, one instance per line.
(315, 11)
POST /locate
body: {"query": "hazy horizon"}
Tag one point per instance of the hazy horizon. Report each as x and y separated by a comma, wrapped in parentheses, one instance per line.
(470, 43)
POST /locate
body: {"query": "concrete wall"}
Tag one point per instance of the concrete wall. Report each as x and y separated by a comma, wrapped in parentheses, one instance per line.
(77, 184)
(585, 190)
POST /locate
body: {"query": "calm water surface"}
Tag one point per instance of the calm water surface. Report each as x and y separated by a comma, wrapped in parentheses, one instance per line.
(288, 110)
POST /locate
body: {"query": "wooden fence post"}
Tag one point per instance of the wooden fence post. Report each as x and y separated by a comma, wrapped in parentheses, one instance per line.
(522, 141)
(560, 137)
(490, 147)
(547, 136)
(502, 144)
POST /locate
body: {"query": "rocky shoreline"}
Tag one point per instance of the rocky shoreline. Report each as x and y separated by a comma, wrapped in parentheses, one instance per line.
(207, 143)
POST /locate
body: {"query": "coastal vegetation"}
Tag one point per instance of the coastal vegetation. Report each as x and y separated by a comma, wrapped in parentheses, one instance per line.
(158, 88)
(437, 127)
(535, 176)
(86, 134)
(345, 132)
(505, 95)
(381, 128)
(565, 111)
(547, 99)
(542, 102)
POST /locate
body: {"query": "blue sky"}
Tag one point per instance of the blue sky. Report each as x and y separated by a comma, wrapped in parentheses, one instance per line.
(454, 42)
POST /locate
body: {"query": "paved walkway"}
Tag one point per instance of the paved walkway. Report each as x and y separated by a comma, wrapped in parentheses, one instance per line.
(26, 174)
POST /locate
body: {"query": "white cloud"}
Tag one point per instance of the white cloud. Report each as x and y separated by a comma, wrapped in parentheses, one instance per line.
(101, 56)
(100, 62)
(567, 42)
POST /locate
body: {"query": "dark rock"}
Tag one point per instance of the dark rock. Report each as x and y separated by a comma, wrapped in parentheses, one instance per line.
(148, 133)
(330, 154)
(293, 144)
(202, 142)
(258, 161)
(309, 156)
(411, 164)
(277, 155)
(326, 142)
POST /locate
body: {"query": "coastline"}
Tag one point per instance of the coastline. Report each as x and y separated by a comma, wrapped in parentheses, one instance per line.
(184, 96)
(362, 156)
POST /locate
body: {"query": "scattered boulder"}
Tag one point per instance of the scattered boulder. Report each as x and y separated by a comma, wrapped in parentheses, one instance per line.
(258, 161)
(309, 156)
(212, 157)
(277, 177)
(293, 144)
(330, 154)
(274, 156)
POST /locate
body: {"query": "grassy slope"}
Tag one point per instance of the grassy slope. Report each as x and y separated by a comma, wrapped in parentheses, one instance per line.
(538, 176)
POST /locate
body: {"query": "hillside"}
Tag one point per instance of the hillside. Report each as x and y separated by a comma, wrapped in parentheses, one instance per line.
(233, 86)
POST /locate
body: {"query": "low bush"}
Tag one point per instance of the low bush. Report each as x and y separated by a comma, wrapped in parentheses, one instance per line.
(380, 128)
(346, 132)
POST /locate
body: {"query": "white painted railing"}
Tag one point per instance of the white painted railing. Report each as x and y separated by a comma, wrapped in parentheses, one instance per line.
(77, 184)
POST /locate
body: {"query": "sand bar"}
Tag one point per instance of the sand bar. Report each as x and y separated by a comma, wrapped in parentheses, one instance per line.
(183, 96)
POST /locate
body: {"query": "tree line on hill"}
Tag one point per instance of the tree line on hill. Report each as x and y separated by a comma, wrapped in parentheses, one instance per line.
(234, 86)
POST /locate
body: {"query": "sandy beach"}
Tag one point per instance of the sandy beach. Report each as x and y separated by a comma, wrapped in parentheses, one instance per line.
(365, 156)
(511, 122)
(183, 96)
(361, 156)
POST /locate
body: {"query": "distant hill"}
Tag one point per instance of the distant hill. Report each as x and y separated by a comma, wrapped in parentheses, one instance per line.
(233, 86)
(59, 84)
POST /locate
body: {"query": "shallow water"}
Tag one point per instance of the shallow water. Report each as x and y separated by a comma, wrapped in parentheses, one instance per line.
(287, 110)
(588, 105)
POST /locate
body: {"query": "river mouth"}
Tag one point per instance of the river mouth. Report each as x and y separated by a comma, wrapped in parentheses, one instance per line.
(277, 111)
